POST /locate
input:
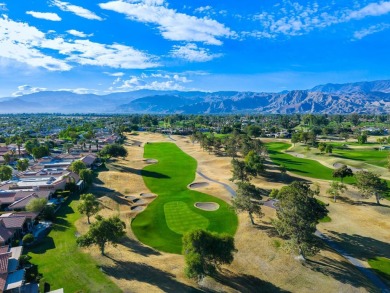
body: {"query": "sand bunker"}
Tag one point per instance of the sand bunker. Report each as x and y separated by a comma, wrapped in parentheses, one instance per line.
(139, 201)
(198, 184)
(207, 206)
(339, 165)
(130, 197)
(137, 208)
(148, 195)
(151, 161)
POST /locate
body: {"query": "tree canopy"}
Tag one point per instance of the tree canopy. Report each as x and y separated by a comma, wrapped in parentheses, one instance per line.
(22, 165)
(342, 172)
(86, 175)
(5, 173)
(204, 252)
(298, 214)
(370, 184)
(77, 166)
(88, 205)
(36, 205)
(102, 232)
(247, 200)
(113, 150)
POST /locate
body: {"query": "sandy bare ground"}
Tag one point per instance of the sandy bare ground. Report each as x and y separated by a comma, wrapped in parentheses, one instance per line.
(261, 262)
(207, 206)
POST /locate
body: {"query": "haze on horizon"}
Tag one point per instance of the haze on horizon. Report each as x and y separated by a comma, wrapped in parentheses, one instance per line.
(108, 46)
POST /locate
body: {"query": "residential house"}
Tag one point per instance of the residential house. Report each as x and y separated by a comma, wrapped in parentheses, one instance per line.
(11, 278)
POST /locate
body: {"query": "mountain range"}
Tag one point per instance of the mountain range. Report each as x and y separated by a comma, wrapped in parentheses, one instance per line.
(359, 97)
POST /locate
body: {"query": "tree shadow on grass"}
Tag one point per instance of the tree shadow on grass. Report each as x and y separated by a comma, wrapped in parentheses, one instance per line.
(281, 178)
(142, 172)
(342, 271)
(360, 247)
(245, 283)
(60, 224)
(139, 248)
(42, 245)
(147, 274)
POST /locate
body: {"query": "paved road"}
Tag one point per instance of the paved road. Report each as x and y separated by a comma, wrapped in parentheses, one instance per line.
(227, 187)
(355, 262)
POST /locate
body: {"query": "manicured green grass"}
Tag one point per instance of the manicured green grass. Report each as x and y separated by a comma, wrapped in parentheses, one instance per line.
(62, 263)
(300, 166)
(369, 156)
(381, 265)
(173, 213)
(181, 219)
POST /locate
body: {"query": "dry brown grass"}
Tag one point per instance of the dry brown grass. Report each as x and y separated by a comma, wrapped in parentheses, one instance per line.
(261, 264)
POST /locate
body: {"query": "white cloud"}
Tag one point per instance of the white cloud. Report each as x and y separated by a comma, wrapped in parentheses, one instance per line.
(115, 74)
(80, 11)
(27, 89)
(3, 7)
(373, 9)
(44, 15)
(23, 43)
(173, 25)
(78, 33)
(203, 9)
(192, 53)
(19, 41)
(358, 35)
(153, 81)
(294, 19)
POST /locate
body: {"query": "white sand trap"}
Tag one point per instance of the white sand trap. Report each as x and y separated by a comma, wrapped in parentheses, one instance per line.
(139, 201)
(339, 165)
(137, 208)
(198, 184)
(207, 206)
(130, 197)
(148, 195)
(151, 161)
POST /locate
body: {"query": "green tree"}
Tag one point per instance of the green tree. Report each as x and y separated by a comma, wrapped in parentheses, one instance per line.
(7, 158)
(336, 189)
(102, 232)
(329, 149)
(22, 164)
(36, 205)
(40, 152)
(28, 239)
(88, 205)
(298, 214)
(362, 139)
(204, 252)
(77, 166)
(113, 150)
(254, 163)
(370, 184)
(342, 172)
(48, 213)
(239, 171)
(247, 199)
(5, 173)
(87, 176)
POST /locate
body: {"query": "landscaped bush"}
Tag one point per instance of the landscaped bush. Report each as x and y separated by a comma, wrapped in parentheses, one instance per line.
(28, 239)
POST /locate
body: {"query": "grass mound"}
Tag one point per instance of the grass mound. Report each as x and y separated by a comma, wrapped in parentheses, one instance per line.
(62, 263)
(173, 213)
(381, 265)
(300, 166)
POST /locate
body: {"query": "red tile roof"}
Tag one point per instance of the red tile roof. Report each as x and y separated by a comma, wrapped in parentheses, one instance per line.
(13, 222)
(3, 281)
(4, 262)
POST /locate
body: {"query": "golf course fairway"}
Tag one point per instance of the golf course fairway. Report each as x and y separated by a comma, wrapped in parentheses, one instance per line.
(162, 224)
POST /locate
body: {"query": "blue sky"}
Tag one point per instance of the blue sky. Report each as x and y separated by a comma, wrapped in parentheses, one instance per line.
(103, 46)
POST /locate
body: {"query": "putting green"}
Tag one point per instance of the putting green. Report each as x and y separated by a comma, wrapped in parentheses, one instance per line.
(165, 220)
(181, 219)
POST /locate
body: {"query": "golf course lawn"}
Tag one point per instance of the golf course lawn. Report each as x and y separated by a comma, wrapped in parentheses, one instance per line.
(381, 265)
(369, 156)
(173, 213)
(303, 167)
(62, 263)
